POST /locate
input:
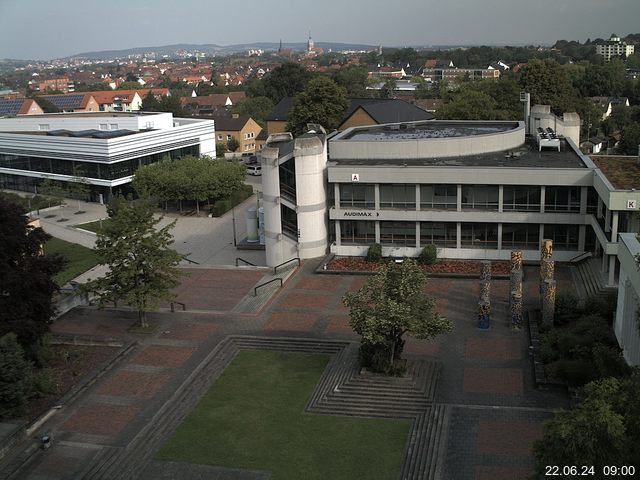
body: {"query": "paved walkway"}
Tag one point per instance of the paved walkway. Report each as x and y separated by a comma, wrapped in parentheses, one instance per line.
(486, 381)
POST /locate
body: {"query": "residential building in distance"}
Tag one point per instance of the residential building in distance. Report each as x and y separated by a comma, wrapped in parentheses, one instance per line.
(437, 74)
(73, 102)
(211, 104)
(361, 111)
(106, 148)
(19, 106)
(243, 128)
(62, 84)
(117, 100)
(614, 47)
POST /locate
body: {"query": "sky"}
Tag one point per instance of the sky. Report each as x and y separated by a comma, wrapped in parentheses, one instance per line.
(53, 29)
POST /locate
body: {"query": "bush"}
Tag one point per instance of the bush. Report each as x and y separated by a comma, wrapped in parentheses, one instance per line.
(604, 306)
(374, 254)
(43, 383)
(575, 372)
(428, 255)
(609, 361)
(221, 207)
(567, 308)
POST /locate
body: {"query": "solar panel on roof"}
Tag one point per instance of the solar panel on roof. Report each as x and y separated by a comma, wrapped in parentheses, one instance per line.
(66, 101)
(10, 107)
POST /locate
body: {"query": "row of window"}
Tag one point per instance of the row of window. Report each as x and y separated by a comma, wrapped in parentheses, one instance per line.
(474, 197)
(102, 171)
(444, 234)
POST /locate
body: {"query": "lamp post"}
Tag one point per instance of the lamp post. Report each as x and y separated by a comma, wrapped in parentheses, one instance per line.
(233, 220)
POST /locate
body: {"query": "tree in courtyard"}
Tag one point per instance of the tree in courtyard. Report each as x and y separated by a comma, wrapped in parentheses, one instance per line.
(468, 104)
(603, 430)
(322, 102)
(391, 304)
(257, 108)
(142, 268)
(52, 189)
(79, 186)
(26, 287)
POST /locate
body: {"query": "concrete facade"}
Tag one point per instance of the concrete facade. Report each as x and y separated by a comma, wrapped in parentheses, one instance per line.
(626, 323)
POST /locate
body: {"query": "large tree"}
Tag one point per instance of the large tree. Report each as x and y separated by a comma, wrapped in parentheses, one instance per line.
(257, 108)
(548, 83)
(603, 430)
(391, 304)
(286, 80)
(15, 377)
(143, 269)
(323, 102)
(26, 285)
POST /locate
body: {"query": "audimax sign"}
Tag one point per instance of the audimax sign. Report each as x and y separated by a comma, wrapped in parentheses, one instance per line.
(360, 214)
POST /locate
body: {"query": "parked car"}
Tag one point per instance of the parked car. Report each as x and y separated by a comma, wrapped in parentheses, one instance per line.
(250, 160)
(254, 170)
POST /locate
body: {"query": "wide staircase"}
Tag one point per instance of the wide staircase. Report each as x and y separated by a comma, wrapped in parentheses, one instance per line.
(591, 279)
(342, 390)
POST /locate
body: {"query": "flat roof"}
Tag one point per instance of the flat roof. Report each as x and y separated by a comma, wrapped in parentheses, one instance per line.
(93, 114)
(526, 156)
(622, 172)
(426, 130)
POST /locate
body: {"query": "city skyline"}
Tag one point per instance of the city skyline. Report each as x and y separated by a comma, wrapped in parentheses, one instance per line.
(69, 27)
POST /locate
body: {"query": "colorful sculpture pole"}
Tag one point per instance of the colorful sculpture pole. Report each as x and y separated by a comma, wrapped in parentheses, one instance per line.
(484, 305)
(548, 301)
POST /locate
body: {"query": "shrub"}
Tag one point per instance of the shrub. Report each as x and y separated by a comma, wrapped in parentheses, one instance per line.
(428, 255)
(43, 383)
(575, 372)
(567, 308)
(374, 254)
(609, 361)
(603, 305)
(221, 207)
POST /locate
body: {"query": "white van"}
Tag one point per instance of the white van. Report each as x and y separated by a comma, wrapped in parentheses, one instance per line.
(254, 170)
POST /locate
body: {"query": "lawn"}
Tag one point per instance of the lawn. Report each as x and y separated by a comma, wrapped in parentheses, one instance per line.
(253, 417)
(79, 259)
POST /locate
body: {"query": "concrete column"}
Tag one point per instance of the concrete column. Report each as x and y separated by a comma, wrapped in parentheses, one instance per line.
(338, 233)
(417, 197)
(500, 235)
(600, 204)
(418, 235)
(614, 226)
(271, 204)
(377, 231)
(458, 235)
(336, 194)
(607, 221)
(543, 191)
(541, 236)
(376, 196)
(605, 257)
(548, 301)
(582, 235)
(611, 282)
(500, 204)
(584, 191)
(459, 199)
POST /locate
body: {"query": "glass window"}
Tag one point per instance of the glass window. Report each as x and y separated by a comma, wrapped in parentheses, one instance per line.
(479, 235)
(398, 233)
(479, 197)
(289, 220)
(355, 232)
(399, 195)
(440, 234)
(565, 237)
(521, 198)
(592, 201)
(440, 197)
(516, 235)
(357, 196)
(562, 199)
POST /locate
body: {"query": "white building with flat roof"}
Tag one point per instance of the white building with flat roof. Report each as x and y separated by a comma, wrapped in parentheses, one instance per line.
(103, 148)
(614, 47)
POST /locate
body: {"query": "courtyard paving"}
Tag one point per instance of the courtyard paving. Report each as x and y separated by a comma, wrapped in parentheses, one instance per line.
(487, 380)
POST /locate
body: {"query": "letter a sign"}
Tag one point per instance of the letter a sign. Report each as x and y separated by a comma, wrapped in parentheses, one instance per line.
(355, 177)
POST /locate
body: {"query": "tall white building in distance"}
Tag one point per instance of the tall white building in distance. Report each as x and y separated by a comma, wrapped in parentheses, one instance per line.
(614, 47)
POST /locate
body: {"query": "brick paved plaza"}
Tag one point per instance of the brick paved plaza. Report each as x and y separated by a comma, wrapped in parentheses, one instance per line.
(486, 378)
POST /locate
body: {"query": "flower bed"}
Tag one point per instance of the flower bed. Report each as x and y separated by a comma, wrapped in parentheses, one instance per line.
(461, 267)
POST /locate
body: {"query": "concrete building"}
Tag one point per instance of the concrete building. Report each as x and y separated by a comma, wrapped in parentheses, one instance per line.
(474, 189)
(243, 128)
(614, 47)
(626, 322)
(106, 149)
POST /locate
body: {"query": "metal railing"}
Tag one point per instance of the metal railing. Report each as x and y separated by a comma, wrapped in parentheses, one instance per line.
(580, 257)
(255, 290)
(275, 269)
(173, 309)
(238, 259)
